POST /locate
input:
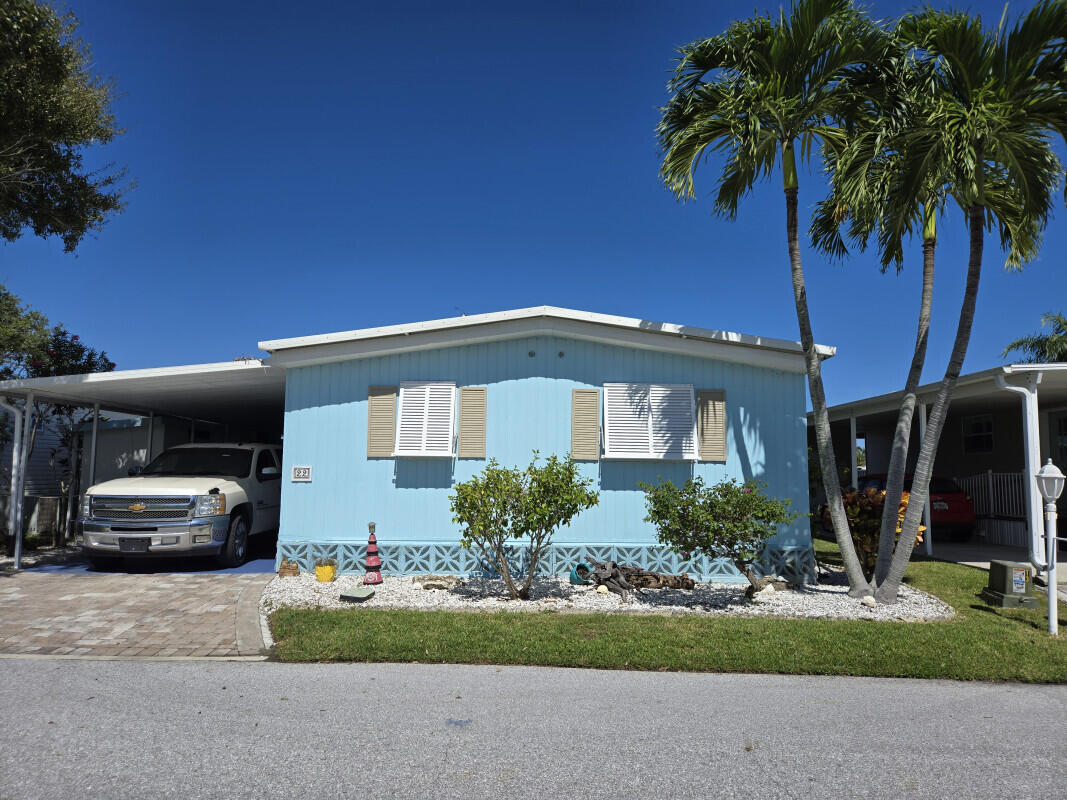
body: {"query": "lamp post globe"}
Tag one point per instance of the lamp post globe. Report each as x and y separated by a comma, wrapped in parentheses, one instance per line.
(1050, 482)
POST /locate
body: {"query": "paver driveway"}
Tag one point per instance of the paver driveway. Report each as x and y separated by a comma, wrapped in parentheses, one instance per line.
(116, 614)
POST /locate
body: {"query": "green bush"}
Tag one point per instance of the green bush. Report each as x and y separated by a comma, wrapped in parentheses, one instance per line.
(503, 504)
(728, 520)
(864, 508)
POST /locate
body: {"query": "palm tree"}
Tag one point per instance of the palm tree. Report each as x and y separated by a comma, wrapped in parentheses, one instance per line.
(760, 91)
(997, 99)
(1044, 348)
(878, 190)
(866, 199)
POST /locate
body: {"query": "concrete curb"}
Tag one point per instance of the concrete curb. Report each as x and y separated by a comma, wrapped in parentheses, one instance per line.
(249, 622)
(264, 625)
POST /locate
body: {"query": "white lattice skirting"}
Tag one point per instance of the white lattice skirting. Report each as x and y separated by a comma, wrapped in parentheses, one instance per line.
(794, 563)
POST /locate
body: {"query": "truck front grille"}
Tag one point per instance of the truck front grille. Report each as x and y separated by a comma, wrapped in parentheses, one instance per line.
(126, 508)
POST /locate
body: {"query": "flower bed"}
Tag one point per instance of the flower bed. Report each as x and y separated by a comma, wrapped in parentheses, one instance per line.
(827, 599)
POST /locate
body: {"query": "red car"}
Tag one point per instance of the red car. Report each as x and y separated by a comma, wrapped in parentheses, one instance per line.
(951, 509)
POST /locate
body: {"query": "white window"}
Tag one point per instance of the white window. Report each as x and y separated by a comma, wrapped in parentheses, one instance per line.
(649, 421)
(426, 414)
(978, 434)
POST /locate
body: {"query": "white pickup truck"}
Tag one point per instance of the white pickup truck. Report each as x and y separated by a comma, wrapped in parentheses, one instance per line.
(193, 499)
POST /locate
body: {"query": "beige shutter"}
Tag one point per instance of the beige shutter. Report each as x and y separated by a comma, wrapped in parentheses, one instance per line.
(381, 421)
(585, 424)
(711, 424)
(472, 421)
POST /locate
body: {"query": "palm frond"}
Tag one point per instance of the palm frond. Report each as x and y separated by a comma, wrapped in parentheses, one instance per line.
(763, 83)
(1043, 347)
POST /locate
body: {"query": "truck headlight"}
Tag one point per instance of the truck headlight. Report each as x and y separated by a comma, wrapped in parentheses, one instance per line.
(210, 505)
(86, 503)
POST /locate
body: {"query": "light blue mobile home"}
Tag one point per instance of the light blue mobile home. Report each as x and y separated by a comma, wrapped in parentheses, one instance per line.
(386, 421)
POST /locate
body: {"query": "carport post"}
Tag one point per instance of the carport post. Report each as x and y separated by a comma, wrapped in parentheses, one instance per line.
(928, 538)
(24, 460)
(151, 431)
(92, 445)
(1032, 458)
(72, 497)
(852, 453)
(16, 461)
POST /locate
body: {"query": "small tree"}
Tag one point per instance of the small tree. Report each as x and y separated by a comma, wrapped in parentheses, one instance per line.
(503, 505)
(64, 354)
(29, 349)
(23, 335)
(728, 520)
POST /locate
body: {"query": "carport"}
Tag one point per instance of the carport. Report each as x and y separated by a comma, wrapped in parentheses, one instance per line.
(246, 398)
(1002, 424)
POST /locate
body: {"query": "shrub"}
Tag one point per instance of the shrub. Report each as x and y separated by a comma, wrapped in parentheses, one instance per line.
(502, 505)
(728, 520)
(863, 507)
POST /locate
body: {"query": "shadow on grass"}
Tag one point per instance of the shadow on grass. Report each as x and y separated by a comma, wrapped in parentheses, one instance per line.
(1040, 624)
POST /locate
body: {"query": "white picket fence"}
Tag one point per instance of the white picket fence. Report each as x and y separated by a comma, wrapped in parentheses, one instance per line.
(1000, 505)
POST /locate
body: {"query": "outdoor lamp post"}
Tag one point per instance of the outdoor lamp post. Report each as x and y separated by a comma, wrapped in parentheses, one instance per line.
(1050, 484)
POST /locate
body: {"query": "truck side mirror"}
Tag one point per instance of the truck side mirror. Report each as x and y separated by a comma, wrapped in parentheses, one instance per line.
(269, 472)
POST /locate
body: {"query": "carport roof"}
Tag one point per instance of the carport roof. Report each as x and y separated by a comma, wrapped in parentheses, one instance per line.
(246, 390)
(976, 389)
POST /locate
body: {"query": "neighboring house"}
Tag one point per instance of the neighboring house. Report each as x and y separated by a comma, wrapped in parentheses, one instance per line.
(42, 474)
(390, 419)
(43, 510)
(983, 443)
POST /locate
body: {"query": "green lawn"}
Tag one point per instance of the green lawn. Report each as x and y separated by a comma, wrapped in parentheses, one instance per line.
(981, 643)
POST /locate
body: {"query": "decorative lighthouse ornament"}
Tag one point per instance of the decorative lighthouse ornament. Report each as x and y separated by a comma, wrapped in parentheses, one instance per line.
(374, 562)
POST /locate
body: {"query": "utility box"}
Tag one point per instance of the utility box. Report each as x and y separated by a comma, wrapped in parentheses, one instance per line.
(1011, 585)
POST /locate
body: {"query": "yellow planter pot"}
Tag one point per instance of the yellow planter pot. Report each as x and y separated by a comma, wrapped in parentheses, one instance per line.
(325, 574)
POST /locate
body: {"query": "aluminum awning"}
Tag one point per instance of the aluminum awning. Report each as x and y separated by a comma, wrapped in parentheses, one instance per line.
(247, 390)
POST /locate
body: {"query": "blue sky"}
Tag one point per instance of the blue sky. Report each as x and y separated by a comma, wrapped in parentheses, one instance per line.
(305, 169)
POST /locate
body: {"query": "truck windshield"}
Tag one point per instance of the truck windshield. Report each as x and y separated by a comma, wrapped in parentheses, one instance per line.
(194, 461)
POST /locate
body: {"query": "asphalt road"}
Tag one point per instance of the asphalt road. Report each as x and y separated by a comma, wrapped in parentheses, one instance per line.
(88, 729)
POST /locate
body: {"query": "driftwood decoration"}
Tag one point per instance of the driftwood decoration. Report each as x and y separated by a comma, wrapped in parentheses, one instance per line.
(624, 578)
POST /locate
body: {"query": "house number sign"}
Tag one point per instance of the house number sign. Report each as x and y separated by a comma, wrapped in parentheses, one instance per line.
(301, 474)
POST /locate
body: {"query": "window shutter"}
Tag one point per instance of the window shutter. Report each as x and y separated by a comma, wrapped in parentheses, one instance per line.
(585, 424)
(711, 424)
(427, 417)
(673, 433)
(626, 420)
(472, 422)
(381, 421)
(649, 421)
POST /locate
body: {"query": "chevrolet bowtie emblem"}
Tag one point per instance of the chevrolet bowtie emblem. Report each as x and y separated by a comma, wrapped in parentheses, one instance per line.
(137, 507)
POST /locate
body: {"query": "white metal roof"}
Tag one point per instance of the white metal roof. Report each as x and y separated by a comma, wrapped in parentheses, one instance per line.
(540, 320)
(973, 386)
(246, 390)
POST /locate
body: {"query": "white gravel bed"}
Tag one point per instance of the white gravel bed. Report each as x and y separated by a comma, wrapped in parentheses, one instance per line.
(828, 599)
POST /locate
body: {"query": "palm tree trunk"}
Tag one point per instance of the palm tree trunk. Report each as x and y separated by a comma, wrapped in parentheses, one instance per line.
(898, 461)
(858, 584)
(920, 486)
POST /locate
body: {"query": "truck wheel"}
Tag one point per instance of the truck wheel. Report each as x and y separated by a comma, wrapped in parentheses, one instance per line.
(235, 551)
